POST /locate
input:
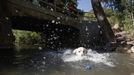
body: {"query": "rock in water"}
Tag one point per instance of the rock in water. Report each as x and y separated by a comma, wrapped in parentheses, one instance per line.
(87, 67)
(132, 49)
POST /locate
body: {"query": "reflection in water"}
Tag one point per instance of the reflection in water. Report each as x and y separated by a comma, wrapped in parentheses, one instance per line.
(66, 63)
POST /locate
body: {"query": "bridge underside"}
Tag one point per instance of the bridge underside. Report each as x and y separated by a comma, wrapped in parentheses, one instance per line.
(16, 14)
(34, 24)
(55, 35)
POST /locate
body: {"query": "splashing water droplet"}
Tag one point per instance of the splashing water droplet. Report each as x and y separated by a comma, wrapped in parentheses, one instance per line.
(8, 34)
(51, 42)
(52, 9)
(43, 63)
(40, 48)
(99, 26)
(47, 25)
(44, 58)
(100, 32)
(86, 28)
(59, 22)
(69, 29)
(61, 30)
(16, 11)
(94, 37)
(52, 31)
(53, 21)
(56, 22)
(7, 18)
(42, 70)
(58, 18)
(56, 29)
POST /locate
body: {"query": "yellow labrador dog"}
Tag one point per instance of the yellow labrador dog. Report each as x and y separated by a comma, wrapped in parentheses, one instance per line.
(80, 51)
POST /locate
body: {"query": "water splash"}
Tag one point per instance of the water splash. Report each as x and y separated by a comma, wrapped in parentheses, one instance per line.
(91, 56)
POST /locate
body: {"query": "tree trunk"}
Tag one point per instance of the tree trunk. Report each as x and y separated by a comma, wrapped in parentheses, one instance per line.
(132, 18)
(102, 21)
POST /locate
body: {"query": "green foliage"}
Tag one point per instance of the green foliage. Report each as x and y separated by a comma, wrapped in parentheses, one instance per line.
(26, 37)
(111, 16)
(127, 24)
(123, 12)
(89, 15)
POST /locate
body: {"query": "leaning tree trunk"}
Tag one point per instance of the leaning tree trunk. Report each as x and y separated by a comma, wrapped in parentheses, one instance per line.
(102, 20)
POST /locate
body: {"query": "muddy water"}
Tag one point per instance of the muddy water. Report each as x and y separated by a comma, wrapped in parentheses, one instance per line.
(65, 63)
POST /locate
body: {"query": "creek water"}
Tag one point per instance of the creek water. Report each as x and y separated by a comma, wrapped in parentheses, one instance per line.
(64, 62)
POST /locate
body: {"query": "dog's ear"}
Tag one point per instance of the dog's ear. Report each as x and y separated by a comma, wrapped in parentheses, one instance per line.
(74, 51)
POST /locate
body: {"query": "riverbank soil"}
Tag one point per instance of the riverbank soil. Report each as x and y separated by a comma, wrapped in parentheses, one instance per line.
(125, 41)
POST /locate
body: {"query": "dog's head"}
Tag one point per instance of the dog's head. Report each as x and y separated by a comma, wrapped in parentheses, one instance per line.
(80, 51)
